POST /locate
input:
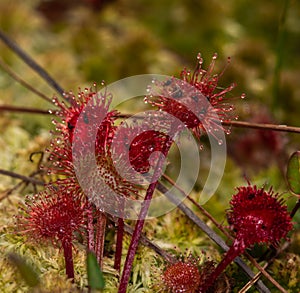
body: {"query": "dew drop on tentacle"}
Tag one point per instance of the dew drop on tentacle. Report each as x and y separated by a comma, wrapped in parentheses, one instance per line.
(55, 101)
(228, 131)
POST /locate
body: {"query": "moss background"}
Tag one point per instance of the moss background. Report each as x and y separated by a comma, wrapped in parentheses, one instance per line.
(79, 42)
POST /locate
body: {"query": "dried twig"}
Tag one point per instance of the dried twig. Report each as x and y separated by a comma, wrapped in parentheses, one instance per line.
(5, 108)
(22, 82)
(240, 124)
(147, 242)
(262, 126)
(8, 192)
(22, 177)
(258, 275)
(295, 209)
(31, 63)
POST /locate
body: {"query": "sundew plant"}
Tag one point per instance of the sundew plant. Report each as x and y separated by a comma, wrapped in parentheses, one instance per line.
(134, 158)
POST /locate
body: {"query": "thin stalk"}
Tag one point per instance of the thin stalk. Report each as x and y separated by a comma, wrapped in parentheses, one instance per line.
(21, 177)
(22, 82)
(100, 237)
(119, 240)
(31, 63)
(5, 108)
(241, 124)
(252, 281)
(90, 232)
(265, 273)
(90, 229)
(8, 192)
(119, 244)
(262, 126)
(199, 207)
(67, 247)
(140, 223)
(147, 242)
(295, 209)
(228, 258)
(192, 216)
(258, 275)
(144, 240)
(135, 238)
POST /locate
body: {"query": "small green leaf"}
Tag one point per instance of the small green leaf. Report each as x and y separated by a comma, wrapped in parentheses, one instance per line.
(95, 275)
(27, 272)
(293, 173)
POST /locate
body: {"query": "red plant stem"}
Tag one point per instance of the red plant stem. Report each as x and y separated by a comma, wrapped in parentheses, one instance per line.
(135, 238)
(90, 228)
(119, 244)
(100, 237)
(67, 247)
(235, 250)
(140, 223)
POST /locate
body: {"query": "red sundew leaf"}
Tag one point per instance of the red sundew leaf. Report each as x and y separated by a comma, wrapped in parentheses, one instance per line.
(293, 173)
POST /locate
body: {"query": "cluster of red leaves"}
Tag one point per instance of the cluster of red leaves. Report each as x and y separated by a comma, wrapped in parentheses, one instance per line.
(59, 211)
(258, 216)
(53, 214)
(195, 99)
(188, 275)
(63, 202)
(182, 277)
